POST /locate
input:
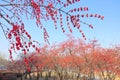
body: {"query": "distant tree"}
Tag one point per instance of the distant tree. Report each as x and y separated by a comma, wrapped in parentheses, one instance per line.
(75, 59)
(3, 61)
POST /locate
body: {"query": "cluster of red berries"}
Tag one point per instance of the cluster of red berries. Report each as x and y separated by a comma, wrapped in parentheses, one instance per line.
(37, 11)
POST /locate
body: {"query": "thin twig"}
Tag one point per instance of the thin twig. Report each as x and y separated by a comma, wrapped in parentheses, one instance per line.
(3, 30)
(5, 18)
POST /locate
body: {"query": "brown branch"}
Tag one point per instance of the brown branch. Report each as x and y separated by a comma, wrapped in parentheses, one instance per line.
(43, 6)
(15, 5)
(5, 19)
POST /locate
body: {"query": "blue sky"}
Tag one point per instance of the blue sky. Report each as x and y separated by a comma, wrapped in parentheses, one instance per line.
(106, 31)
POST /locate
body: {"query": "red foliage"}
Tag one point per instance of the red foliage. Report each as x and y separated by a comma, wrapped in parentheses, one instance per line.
(77, 56)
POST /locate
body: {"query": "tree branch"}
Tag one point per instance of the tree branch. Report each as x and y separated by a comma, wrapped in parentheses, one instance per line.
(5, 19)
(43, 6)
